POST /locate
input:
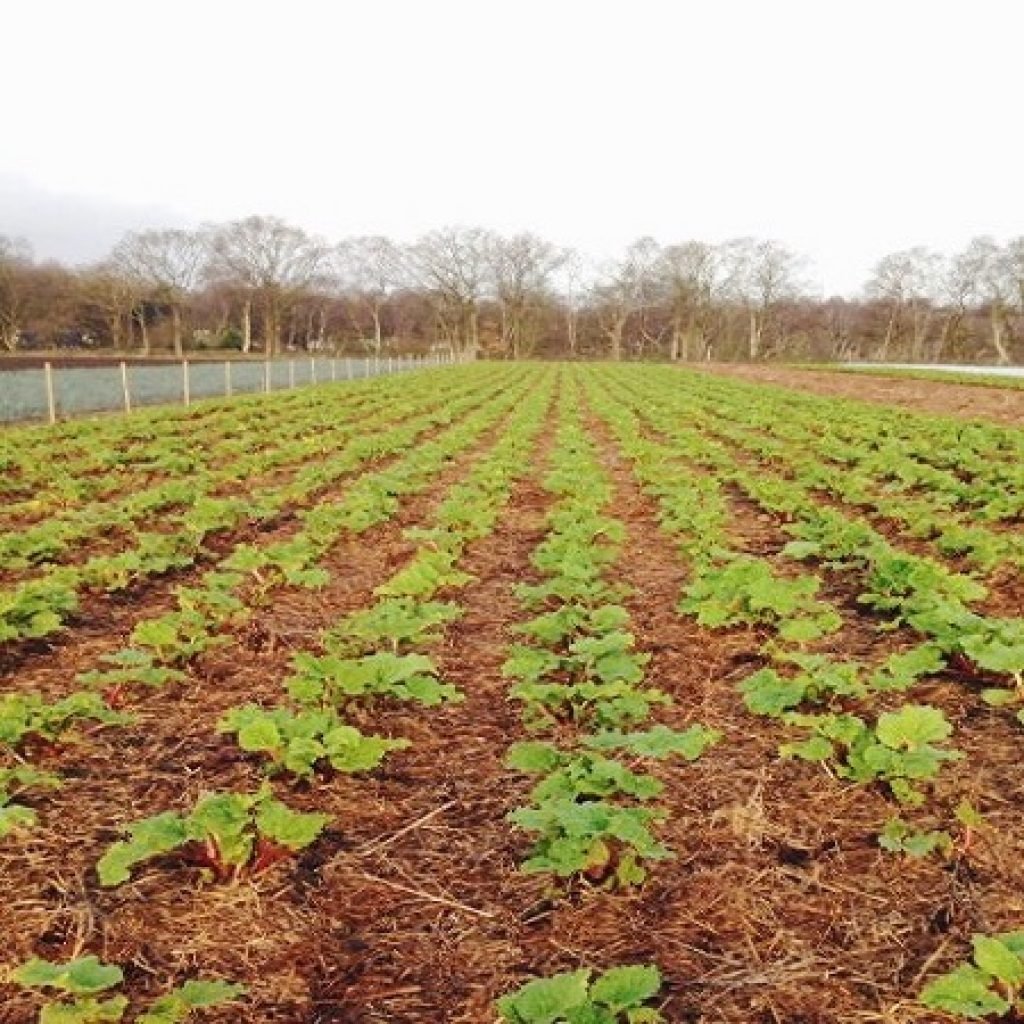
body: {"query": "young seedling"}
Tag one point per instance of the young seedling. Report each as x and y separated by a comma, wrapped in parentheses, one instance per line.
(988, 986)
(84, 986)
(13, 782)
(27, 717)
(306, 741)
(616, 996)
(228, 834)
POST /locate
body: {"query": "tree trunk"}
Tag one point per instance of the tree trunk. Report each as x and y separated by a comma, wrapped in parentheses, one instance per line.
(378, 336)
(271, 328)
(890, 333)
(1002, 355)
(176, 333)
(474, 332)
(144, 332)
(754, 348)
(615, 336)
(676, 344)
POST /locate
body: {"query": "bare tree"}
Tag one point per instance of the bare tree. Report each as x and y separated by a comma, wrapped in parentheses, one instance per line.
(987, 271)
(15, 260)
(452, 265)
(908, 283)
(521, 269)
(273, 261)
(629, 289)
(167, 264)
(644, 261)
(112, 296)
(572, 275)
(370, 269)
(689, 275)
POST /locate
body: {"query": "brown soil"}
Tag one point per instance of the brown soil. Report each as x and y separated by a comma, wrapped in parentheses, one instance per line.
(964, 401)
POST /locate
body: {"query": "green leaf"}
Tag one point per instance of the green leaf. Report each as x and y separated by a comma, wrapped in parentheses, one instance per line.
(288, 828)
(85, 976)
(660, 742)
(623, 988)
(546, 1000)
(177, 1005)
(995, 958)
(913, 726)
(815, 748)
(533, 758)
(14, 818)
(964, 992)
(148, 838)
(768, 693)
(85, 1011)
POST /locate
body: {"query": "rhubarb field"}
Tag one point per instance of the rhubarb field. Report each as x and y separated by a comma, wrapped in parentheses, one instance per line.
(595, 694)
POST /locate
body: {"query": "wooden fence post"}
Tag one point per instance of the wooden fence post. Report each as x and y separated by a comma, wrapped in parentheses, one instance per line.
(124, 387)
(51, 398)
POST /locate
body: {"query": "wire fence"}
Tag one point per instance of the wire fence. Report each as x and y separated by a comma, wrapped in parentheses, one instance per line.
(50, 393)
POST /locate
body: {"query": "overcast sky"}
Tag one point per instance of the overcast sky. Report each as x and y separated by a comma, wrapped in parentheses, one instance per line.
(846, 130)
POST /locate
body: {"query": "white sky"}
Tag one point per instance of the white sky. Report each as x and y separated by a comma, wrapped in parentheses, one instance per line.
(845, 129)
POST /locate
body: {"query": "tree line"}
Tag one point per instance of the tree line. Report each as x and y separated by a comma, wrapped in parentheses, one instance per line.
(261, 284)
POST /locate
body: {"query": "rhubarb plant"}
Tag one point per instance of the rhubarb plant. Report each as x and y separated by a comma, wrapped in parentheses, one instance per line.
(745, 590)
(659, 742)
(601, 841)
(228, 834)
(27, 716)
(85, 993)
(990, 985)
(14, 782)
(901, 750)
(397, 623)
(304, 742)
(621, 995)
(83, 986)
(578, 775)
(897, 836)
(332, 681)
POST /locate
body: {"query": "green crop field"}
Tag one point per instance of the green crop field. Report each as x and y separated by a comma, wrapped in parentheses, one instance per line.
(590, 693)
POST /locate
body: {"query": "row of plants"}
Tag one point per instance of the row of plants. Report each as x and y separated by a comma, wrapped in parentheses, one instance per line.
(382, 651)
(877, 473)
(231, 836)
(40, 607)
(899, 587)
(248, 578)
(85, 991)
(48, 468)
(905, 747)
(578, 676)
(809, 691)
(947, 462)
(163, 647)
(186, 479)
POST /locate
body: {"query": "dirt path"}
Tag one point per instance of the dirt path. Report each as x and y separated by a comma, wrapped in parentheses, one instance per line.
(964, 401)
